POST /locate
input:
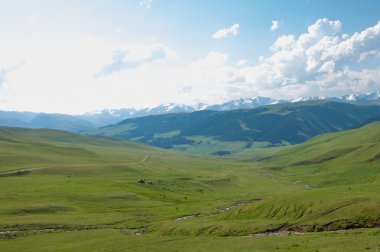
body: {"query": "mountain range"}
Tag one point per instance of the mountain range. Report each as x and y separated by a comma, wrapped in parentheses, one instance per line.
(112, 116)
(226, 132)
(96, 119)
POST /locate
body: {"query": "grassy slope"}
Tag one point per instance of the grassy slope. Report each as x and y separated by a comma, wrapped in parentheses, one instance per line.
(341, 171)
(89, 184)
(114, 240)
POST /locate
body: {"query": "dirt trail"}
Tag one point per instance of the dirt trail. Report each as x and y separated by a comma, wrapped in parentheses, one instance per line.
(220, 210)
(19, 172)
(186, 217)
(6, 234)
(146, 158)
(281, 232)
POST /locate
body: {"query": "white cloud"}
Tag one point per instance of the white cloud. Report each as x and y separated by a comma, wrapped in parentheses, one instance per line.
(284, 43)
(146, 3)
(320, 61)
(6, 71)
(327, 67)
(223, 33)
(212, 59)
(127, 56)
(2, 77)
(241, 62)
(55, 75)
(275, 25)
(367, 54)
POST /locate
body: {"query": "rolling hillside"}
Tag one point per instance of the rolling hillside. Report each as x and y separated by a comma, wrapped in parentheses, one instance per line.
(57, 186)
(226, 132)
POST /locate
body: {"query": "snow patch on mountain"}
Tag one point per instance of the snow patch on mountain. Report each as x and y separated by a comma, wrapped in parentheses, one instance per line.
(308, 98)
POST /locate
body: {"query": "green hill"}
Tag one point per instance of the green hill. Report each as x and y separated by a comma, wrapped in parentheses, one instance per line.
(226, 132)
(83, 193)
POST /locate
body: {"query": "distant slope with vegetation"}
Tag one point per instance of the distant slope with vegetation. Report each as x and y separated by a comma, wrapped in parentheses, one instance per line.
(225, 132)
(44, 120)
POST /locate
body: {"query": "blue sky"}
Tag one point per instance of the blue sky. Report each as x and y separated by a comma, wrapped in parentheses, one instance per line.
(77, 56)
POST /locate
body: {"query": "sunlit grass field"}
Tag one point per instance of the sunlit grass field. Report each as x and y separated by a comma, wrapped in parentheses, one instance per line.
(81, 193)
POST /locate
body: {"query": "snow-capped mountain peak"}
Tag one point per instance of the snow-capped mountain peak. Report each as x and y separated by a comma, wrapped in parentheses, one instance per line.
(361, 97)
(111, 116)
(308, 98)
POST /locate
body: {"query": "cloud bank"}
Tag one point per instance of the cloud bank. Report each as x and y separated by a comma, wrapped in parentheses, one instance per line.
(95, 73)
(322, 60)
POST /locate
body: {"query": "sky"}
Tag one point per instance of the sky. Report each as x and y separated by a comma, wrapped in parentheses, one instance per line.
(78, 56)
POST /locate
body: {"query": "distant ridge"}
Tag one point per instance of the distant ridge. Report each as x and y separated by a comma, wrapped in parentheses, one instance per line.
(112, 116)
(95, 119)
(235, 130)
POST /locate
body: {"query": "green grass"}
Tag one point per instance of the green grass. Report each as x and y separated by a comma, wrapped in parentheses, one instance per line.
(116, 130)
(210, 145)
(81, 192)
(115, 240)
(167, 134)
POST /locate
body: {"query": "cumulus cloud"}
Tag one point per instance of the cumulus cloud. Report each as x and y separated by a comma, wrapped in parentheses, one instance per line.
(327, 67)
(275, 25)
(6, 71)
(283, 43)
(212, 59)
(367, 54)
(241, 62)
(321, 61)
(225, 32)
(2, 77)
(131, 56)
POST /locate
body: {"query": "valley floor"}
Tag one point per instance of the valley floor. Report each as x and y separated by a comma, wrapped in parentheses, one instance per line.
(116, 240)
(66, 192)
